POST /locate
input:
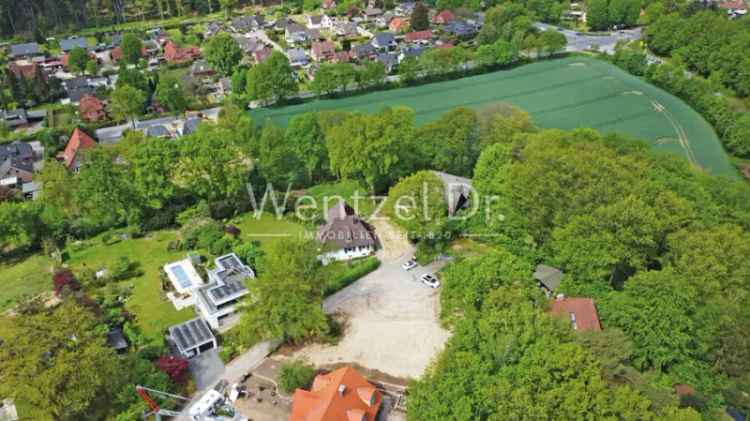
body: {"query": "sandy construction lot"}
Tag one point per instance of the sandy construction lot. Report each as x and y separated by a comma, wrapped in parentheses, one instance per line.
(392, 322)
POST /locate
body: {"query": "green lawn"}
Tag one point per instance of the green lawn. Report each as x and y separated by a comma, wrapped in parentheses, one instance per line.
(565, 93)
(267, 228)
(154, 312)
(346, 190)
(25, 278)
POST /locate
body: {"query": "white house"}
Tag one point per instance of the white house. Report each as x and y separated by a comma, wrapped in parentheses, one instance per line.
(216, 301)
(345, 236)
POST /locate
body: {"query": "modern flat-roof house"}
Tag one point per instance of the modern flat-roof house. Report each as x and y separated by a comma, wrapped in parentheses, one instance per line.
(341, 395)
(345, 236)
(580, 311)
(192, 338)
(217, 301)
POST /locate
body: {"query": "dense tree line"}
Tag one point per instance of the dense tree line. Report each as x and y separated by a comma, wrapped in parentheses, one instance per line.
(707, 43)
(655, 245)
(708, 96)
(39, 19)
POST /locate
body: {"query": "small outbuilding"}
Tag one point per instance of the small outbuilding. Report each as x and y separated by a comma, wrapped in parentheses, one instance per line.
(192, 338)
(549, 278)
(116, 340)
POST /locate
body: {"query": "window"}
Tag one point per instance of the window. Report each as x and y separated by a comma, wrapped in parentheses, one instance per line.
(573, 321)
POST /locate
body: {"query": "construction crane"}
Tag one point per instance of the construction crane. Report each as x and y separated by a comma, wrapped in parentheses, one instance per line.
(154, 408)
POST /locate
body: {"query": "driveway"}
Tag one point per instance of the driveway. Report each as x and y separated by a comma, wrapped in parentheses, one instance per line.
(206, 369)
(580, 41)
(391, 322)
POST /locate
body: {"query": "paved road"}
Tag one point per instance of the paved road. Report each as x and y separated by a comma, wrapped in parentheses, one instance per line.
(113, 134)
(578, 41)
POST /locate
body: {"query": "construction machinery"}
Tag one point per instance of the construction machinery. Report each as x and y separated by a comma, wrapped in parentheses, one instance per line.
(212, 406)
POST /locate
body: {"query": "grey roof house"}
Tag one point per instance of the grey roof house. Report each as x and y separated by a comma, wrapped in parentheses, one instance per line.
(384, 41)
(24, 50)
(73, 42)
(297, 56)
(457, 191)
(549, 278)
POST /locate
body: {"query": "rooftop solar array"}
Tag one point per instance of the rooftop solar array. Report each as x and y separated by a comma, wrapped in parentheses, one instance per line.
(191, 334)
(229, 261)
(231, 287)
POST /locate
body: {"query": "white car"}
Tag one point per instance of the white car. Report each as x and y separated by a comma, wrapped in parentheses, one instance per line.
(409, 264)
(430, 280)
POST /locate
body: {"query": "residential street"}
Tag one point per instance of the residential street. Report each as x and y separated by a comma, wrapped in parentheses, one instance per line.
(579, 42)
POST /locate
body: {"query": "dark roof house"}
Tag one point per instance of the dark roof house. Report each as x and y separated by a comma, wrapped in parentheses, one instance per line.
(73, 42)
(192, 337)
(344, 229)
(548, 277)
(384, 41)
(24, 50)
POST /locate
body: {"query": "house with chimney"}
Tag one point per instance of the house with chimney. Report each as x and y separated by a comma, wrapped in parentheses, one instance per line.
(341, 395)
(345, 235)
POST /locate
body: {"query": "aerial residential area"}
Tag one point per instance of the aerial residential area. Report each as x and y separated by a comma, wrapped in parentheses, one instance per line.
(361, 210)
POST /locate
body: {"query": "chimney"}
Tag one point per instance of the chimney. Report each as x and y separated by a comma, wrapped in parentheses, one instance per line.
(560, 297)
(342, 388)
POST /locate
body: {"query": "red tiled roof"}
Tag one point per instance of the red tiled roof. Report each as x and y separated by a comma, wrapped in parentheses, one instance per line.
(79, 140)
(418, 36)
(580, 311)
(444, 45)
(262, 54)
(91, 108)
(734, 5)
(397, 24)
(322, 49)
(175, 54)
(327, 400)
(444, 17)
(28, 71)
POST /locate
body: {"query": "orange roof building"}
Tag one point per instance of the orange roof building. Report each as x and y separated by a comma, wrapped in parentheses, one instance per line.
(178, 55)
(341, 395)
(91, 108)
(580, 311)
(71, 156)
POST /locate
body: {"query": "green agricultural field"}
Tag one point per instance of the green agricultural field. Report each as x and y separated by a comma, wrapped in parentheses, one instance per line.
(566, 93)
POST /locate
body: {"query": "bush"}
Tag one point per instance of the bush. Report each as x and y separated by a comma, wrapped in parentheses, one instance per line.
(221, 246)
(176, 368)
(199, 211)
(294, 375)
(361, 269)
(124, 269)
(250, 253)
(62, 279)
